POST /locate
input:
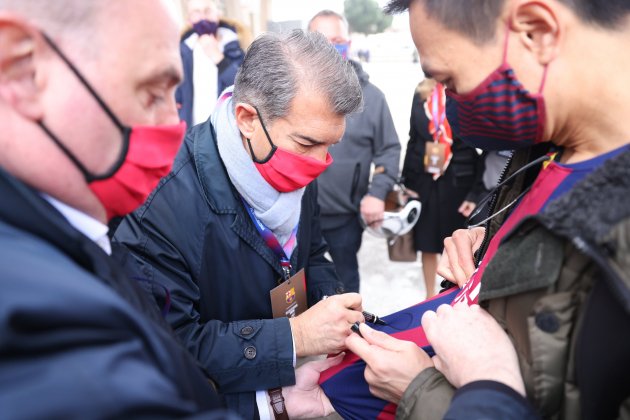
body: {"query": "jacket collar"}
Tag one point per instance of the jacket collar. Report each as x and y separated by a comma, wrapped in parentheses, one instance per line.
(221, 195)
(215, 182)
(593, 208)
(28, 211)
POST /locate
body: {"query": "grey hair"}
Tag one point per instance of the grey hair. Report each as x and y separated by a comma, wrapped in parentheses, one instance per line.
(277, 66)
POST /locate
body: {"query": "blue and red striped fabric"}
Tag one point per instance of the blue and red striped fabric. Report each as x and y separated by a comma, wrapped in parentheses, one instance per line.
(345, 384)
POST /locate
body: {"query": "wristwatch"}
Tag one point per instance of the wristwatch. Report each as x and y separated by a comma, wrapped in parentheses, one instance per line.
(277, 404)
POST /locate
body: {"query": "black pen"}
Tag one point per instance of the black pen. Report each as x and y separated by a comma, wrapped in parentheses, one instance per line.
(355, 328)
(373, 319)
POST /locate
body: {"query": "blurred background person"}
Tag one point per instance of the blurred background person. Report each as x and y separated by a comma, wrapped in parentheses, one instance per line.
(345, 191)
(211, 54)
(442, 170)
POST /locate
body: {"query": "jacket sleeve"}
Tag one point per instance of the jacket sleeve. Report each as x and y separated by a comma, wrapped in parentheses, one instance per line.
(386, 149)
(427, 397)
(321, 276)
(75, 349)
(489, 400)
(240, 356)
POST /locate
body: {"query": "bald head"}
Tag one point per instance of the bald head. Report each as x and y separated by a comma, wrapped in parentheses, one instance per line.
(59, 17)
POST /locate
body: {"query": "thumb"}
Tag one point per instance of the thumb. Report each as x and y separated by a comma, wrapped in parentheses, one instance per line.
(322, 365)
(379, 338)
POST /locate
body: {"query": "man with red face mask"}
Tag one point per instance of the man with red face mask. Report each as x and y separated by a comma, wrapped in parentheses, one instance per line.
(541, 325)
(233, 230)
(85, 137)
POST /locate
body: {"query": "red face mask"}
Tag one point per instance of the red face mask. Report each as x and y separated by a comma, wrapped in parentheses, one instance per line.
(152, 150)
(146, 155)
(286, 171)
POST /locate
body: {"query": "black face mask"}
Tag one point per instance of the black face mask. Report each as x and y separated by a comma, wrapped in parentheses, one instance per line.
(124, 130)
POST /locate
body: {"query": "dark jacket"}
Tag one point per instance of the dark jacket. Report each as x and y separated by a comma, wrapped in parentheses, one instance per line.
(227, 68)
(78, 339)
(194, 236)
(559, 284)
(370, 137)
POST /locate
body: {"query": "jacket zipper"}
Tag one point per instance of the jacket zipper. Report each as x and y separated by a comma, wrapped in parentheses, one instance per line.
(493, 202)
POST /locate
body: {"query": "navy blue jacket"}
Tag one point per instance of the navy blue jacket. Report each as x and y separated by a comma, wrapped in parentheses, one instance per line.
(489, 400)
(226, 69)
(78, 339)
(194, 236)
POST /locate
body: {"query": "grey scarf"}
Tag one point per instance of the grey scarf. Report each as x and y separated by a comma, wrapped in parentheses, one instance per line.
(280, 212)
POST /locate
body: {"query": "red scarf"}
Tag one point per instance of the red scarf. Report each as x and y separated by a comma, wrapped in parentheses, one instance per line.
(439, 128)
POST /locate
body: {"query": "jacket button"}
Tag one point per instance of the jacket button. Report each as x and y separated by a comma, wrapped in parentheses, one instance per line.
(250, 352)
(547, 322)
(247, 330)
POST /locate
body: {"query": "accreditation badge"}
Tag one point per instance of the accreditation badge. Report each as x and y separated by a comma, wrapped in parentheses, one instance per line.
(289, 298)
(434, 157)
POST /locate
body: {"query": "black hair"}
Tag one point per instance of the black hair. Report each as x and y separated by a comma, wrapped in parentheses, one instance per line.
(477, 19)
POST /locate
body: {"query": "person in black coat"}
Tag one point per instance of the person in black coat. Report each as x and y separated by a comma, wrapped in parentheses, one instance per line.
(447, 200)
(243, 174)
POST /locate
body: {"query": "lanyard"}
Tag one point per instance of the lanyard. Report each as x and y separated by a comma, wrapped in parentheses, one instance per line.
(438, 112)
(271, 240)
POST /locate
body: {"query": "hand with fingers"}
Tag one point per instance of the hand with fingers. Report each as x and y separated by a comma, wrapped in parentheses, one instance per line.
(391, 363)
(488, 355)
(457, 263)
(323, 328)
(372, 210)
(306, 399)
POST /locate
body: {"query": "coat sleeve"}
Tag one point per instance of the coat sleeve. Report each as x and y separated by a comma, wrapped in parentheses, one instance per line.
(321, 276)
(75, 349)
(427, 397)
(489, 400)
(386, 148)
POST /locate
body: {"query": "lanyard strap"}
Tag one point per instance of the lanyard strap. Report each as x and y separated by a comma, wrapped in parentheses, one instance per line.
(270, 239)
(438, 111)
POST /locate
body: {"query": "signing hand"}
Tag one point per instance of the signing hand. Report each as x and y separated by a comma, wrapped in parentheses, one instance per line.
(323, 328)
(372, 209)
(391, 363)
(470, 346)
(306, 399)
(457, 263)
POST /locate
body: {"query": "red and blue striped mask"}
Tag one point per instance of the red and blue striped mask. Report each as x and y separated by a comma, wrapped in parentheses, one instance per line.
(499, 114)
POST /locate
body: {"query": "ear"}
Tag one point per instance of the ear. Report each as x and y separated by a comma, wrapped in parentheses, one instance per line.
(20, 53)
(539, 27)
(245, 117)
